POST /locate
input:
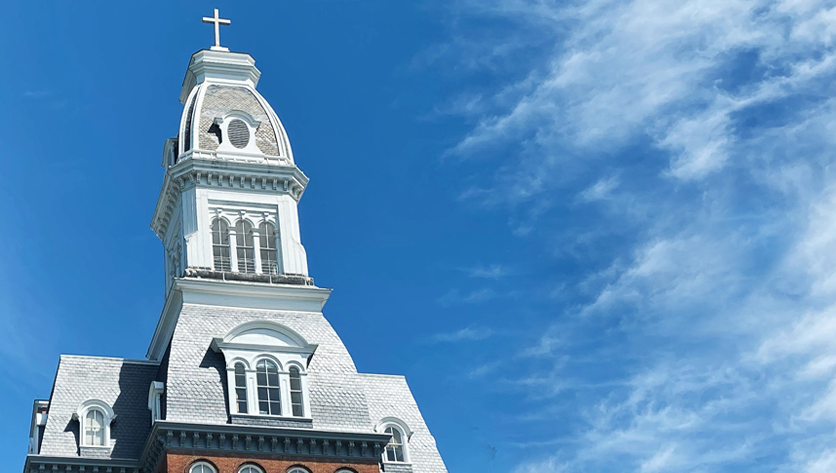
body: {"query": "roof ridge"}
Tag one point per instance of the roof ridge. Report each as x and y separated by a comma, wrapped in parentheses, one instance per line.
(381, 375)
(114, 358)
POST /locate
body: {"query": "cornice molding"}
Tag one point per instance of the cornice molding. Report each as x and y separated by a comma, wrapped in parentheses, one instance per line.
(219, 65)
(210, 292)
(216, 173)
(258, 441)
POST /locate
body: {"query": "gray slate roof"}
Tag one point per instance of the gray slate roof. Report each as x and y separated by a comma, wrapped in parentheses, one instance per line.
(195, 387)
(196, 378)
(123, 384)
(390, 396)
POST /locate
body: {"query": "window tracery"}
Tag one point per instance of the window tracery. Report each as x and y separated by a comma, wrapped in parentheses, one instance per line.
(244, 246)
(267, 382)
(220, 245)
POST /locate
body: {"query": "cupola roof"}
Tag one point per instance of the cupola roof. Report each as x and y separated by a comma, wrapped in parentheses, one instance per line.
(224, 116)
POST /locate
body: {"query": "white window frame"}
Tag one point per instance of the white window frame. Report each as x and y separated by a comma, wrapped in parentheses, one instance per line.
(406, 434)
(252, 125)
(294, 351)
(257, 468)
(154, 405)
(107, 417)
(298, 469)
(254, 218)
(202, 463)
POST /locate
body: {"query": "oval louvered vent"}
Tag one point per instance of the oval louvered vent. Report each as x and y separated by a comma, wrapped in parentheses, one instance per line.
(239, 133)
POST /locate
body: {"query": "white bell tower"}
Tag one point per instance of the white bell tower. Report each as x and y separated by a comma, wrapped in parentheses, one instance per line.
(228, 206)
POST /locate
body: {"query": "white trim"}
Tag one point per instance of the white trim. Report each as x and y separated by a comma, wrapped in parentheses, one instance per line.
(204, 463)
(272, 297)
(296, 354)
(155, 391)
(406, 435)
(254, 466)
(107, 417)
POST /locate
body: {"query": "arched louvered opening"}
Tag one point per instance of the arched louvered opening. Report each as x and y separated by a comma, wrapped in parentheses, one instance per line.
(244, 246)
(268, 244)
(220, 245)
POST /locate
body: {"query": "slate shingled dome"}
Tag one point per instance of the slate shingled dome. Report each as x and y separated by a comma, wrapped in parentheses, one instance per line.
(208, 102)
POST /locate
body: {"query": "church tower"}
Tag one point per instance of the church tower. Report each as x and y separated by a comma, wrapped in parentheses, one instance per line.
(243, 373)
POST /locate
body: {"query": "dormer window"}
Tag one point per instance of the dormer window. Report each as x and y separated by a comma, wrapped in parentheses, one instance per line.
(267, 379)
(94, 428)
(269, 359)
(94, 418)
(236, 133)
(296, 391)
(396, 450)
(240, 388)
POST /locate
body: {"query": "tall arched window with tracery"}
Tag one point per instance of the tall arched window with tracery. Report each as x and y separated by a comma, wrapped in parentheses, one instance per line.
(395, 449)
(94, 428)
(220, 245)
(267, 381)
(244, 246)
(296, 392)
(241, 388)
(267, 243)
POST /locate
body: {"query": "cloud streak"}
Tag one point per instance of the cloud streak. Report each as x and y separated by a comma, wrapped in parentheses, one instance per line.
(692, 142)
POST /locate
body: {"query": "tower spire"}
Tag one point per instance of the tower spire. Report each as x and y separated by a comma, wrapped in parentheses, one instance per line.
(218, 21)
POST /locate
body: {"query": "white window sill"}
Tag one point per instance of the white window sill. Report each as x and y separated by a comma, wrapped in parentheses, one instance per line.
(270, 416)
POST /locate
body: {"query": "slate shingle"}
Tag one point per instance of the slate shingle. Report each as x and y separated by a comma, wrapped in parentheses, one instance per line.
(123, 384)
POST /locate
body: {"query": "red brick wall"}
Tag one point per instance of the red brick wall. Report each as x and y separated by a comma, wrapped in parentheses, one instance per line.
(229, 463)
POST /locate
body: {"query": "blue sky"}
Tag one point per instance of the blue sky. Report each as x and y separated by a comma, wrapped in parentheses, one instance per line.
(596, 236)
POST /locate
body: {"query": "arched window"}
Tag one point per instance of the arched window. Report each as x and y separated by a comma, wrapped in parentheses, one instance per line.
(201, 467)
(94, 428)
(241, 388)
(220, 245)
(244, 246)
(296, 392)
(267, 381)
(267, 243)
(298, 469)
(250, 468)
(395, 448)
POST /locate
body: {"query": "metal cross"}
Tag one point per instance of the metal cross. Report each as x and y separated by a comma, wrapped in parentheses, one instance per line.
(218, 22)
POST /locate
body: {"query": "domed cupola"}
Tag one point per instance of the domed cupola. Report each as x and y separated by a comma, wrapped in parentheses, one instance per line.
(224, 117)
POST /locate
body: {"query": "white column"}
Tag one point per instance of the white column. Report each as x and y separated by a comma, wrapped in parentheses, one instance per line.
(233, 252)
(230, 382)
(257, 249)
(306, 404)
(294, 259)
(284, 382)
(252, 393)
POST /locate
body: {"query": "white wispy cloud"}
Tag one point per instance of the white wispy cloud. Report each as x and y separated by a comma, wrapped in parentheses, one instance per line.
(494, 271)
(466, 334)
(456, 297)
(708, 126)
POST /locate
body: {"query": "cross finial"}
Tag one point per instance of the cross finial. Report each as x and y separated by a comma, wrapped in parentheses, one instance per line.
(218, 21)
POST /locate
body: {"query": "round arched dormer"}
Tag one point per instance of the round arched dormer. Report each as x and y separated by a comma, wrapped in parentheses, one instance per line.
(266, 370)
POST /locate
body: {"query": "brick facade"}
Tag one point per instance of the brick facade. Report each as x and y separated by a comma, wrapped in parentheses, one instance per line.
(179, 462)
